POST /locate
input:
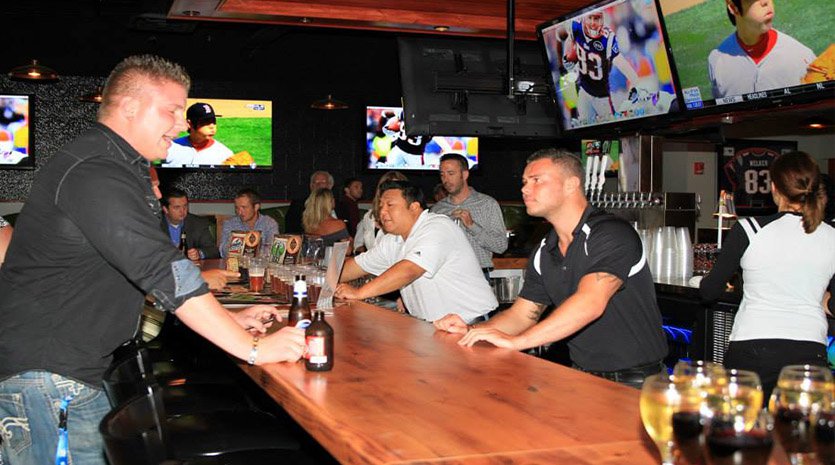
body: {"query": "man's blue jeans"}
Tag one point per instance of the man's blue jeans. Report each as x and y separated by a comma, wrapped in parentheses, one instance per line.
(29, 405)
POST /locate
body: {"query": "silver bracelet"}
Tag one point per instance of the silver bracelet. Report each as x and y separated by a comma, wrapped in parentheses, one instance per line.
(253, 353)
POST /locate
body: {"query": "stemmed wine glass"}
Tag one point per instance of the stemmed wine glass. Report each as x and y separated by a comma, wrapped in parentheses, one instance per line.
(825, 435)
(738, 432)
(701, 380)
(660, 397)
(803, 394)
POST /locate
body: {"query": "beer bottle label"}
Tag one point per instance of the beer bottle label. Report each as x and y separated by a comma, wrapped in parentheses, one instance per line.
(316, 349)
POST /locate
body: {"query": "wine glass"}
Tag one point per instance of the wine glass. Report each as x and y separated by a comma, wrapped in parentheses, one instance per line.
(702, 383)
(803, 392)
(824, 439)
(743, 396)
(312, 248)
(731, 440)
(738, 431)
(660, 397)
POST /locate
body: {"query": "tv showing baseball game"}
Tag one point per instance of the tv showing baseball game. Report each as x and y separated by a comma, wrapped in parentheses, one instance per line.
(738, 51)
(15, 128)
(224, 134)
(609, 64)
(388, 146)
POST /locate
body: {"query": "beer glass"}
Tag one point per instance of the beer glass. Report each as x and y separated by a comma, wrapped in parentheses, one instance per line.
(257, 269)
(661, 396)
(803, 394)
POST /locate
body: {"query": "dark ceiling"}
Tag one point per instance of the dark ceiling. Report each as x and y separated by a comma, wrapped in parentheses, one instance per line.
(258, 40)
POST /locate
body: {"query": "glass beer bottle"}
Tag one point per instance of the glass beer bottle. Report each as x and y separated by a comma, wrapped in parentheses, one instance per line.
(183, 248)
(300, 308)
(319, 340)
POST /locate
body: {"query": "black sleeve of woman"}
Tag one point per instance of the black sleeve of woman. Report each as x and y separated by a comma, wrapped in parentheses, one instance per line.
(714, 284)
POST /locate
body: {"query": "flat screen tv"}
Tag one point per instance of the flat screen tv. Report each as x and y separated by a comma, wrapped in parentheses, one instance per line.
(609, 65)
(224, 134)
(15, 130)
(389, 147)
(777, 50)
(460, 87)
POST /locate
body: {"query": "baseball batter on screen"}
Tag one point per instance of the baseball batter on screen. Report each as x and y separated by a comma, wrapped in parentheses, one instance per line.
(756, 57)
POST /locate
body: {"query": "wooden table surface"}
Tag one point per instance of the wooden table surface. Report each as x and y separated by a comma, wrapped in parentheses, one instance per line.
(402, 393)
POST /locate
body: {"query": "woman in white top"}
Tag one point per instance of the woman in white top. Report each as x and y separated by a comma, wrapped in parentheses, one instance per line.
(788, 270)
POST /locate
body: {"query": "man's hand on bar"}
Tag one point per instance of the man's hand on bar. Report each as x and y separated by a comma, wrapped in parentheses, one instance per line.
(285, 345)
(348, 292)
(491, 335)
(452, 323)
(257, 318)
(217, 278)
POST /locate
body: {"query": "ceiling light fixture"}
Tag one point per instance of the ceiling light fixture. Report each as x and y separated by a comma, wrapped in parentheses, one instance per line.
(33, 72)
(93, 97)
(329, 104)
(441, 28)
(816, 122)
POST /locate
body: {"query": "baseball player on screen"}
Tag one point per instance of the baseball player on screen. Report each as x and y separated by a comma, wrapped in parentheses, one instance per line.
(593, 48)
(206, 150)
(756, 57)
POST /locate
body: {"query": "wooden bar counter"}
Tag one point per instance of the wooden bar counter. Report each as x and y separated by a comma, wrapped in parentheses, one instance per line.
(402, 393)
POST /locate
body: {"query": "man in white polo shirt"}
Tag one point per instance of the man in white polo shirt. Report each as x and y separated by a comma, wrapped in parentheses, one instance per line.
(424, 255)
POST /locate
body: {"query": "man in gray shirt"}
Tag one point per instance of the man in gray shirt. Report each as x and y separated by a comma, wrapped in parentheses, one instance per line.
(478, 214)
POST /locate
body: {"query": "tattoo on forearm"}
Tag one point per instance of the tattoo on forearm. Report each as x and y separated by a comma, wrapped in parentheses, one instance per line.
(535, 313)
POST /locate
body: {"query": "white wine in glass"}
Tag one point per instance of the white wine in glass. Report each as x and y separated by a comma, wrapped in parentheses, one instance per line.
(802, 393)
(660, 398)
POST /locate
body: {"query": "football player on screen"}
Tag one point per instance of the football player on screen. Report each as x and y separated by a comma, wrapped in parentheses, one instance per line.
(756, 57)
(406, 151)
(591, 50)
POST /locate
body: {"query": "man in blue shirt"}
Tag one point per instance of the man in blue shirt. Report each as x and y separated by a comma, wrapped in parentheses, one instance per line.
(248, 217)
(200, 244)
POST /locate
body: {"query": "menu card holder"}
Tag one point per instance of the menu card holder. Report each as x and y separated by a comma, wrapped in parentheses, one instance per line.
(335, 263)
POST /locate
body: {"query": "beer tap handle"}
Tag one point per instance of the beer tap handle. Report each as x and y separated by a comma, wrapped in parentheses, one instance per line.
(601, 178)
(589, 167)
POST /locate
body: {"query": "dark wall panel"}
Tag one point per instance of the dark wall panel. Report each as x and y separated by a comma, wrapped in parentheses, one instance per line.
(291, 68)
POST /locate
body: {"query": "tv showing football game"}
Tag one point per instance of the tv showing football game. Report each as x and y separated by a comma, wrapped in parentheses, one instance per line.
(388, 146)
(224, 134)
(737, 51)
(609, 64)
(15, 127)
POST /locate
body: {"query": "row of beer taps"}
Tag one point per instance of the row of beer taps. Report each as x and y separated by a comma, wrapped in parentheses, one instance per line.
(596, 176)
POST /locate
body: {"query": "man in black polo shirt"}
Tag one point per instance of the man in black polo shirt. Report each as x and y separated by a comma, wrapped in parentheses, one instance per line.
(591, 268)
(86, 249)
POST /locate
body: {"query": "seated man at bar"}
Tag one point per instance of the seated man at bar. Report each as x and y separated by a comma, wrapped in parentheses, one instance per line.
(591, 269)
(77, 272)
(248, 217)
(176, 220)
(425, 256)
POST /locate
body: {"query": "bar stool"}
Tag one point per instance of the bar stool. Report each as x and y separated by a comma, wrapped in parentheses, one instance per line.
(138, 433)
(129, 377)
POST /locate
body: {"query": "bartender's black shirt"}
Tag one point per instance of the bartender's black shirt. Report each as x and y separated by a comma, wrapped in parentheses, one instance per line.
(629, 332)
(86, 248)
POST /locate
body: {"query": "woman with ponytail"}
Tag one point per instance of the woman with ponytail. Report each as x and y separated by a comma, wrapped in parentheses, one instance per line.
(788, 270)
